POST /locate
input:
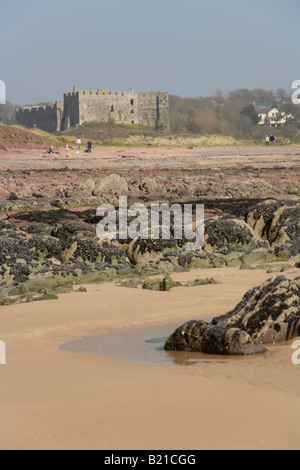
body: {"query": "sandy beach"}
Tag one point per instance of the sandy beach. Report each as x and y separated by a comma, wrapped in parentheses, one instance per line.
(152, 157)
(51, 399)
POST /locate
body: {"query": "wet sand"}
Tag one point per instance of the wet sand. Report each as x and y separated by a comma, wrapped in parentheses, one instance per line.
(53, 399)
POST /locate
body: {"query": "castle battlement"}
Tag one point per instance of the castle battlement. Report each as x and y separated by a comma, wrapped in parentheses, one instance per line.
(100, 93)
(35, 109)
(127, 107)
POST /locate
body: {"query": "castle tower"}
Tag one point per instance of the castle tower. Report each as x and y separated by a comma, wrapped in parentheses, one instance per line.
(149, 109)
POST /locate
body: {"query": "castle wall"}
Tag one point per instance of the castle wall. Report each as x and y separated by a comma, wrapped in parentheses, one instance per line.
(154, 110)
(47, 118)
(149, 109)
(118, 107)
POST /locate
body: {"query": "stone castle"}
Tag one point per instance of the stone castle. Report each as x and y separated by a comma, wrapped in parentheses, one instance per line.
(149, 109)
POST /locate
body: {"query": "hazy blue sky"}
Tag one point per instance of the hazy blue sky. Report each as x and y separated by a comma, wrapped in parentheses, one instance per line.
(186, 47)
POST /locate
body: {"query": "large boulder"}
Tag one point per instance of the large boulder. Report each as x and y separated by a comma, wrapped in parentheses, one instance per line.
(267, 314)
(112, 185)
(197, 336)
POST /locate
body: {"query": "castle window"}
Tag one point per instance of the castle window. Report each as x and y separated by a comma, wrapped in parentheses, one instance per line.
(132, 102)
(112, 109)
(132, 122)
(132, 111)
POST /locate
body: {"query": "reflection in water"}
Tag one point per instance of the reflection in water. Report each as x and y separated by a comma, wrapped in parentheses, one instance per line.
(144, 345)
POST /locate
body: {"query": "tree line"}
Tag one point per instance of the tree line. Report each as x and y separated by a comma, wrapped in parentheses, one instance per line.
(233, 114)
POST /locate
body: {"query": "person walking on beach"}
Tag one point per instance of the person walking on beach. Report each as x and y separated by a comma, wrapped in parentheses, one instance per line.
(272, 140)
(267, 140)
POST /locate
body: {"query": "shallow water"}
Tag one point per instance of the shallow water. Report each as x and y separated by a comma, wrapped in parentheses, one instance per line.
(143, 345)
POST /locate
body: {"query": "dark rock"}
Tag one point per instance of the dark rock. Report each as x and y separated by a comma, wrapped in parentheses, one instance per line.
(278, 222)
(227, 234)
(78, 228)
(197, 336)
(260, 217)
(38, 229)
(277, 301)
(267, 314)
(13, 197)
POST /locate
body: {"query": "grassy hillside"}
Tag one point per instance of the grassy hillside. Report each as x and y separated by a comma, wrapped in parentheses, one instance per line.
(102, 133)
(18, 137)
(106, 132)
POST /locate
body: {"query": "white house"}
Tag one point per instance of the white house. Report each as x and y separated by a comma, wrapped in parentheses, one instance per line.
(273, 118)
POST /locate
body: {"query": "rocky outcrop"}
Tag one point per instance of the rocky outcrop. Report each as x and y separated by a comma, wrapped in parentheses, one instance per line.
(112, 185)
(260, 217)
(277, 222)
(49, 240)
(267, 314)
(227, 234)
(40, 251)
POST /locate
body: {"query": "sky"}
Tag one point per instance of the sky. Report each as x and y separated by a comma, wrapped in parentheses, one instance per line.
(189, 48)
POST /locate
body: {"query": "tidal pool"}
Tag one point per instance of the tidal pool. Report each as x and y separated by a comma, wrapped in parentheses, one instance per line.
(143, 344)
